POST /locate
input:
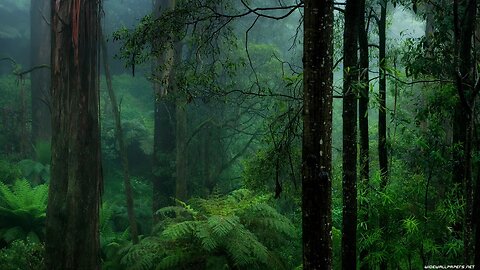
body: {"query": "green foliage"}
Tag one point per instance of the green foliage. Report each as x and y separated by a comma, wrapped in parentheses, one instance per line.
(22, 211)
(35, 171)
(23, 255)
(9, 172)
(239, 230)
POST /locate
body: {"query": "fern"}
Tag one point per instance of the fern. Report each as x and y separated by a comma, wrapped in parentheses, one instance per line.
(235, 230)
(174, 260)
(204, 233)
(22, 211)
(180, 230)
(221, 226)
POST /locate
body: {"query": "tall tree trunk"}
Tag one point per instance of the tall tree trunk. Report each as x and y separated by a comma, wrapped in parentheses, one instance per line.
(382, 114)
(72, 236)
(464, 112)
(350, 77)
(164, 122)
(364, 94)
(181, 131)
(363, 113)
(317, 135)
(40, 42)
(121, 143)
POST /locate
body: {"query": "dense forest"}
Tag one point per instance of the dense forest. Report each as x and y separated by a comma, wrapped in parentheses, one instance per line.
(248, 134)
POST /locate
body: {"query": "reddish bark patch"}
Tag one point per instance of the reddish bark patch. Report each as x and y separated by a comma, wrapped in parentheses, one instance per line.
(75, 27)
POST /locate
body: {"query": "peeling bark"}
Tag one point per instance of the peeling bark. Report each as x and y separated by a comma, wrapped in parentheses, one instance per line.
(72, 232)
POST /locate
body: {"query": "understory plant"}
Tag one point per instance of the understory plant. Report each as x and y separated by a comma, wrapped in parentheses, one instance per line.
(237, 231)
(22, 211)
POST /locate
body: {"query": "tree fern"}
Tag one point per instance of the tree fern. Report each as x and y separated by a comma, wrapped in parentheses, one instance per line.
(180, 230)
(22, 211)
(233, 229)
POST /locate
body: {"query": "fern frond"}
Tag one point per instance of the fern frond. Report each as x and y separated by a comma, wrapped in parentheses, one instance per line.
(208, 240)
(221, 226)
(180, 230)
(244, 247)
(174, 260)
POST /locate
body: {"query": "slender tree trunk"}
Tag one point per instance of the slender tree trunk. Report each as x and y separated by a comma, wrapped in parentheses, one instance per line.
(24, 149)
(363, 113)
(164, 122)
(72, 236)
(181, 134)
(40, 40)
(121, 143)
(382, 115)
(317, 135)
(463, 131)
(364, 94)
(350, 77)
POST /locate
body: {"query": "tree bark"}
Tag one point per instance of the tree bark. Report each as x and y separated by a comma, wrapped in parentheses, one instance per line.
(72, 236)
(464, 112)
(181, 131)
(317, 135)
(121, 143)
(40, 40)
(382, 114)
(363, 113)
(350, 77)
(164, 122)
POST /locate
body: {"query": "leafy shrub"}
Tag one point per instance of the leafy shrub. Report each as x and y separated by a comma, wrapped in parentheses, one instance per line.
(23, 255)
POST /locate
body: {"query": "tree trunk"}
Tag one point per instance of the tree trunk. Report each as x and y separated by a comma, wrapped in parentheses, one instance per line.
(40, 40)
(464, 112)
(181, 134)
(317, 135)
(382, 115)
(121, 143)
(350, 72)
(164, 122)
(72, 236)
(364, 94)
(363, 113)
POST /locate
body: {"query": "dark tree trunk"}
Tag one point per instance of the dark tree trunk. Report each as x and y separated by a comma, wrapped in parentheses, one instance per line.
(164, 130)
(350, 77)
(121, 143)
(363, 113)
(40, 40)
(72, 236)
(364, 94)
(181, 131)
(317, 135)
(382, 115)
(464, 113)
